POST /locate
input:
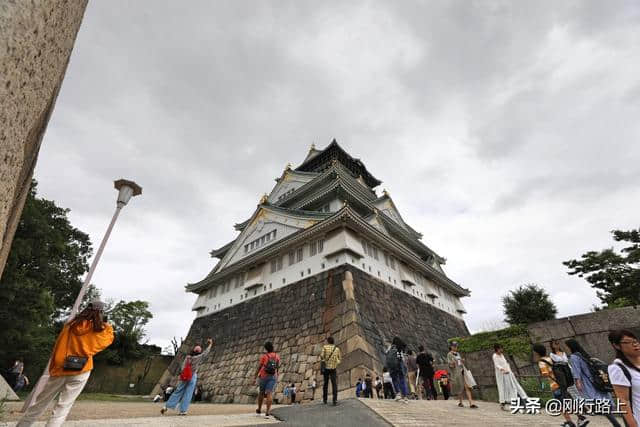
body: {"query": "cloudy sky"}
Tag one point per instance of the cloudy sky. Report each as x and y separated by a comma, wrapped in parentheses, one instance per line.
(507, 132)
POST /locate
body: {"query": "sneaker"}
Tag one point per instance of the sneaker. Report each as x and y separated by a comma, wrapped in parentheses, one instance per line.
(568, 424)
(163, 410)
(335, 403)
(583, 422)
(405, 400)
(182, 413)
(398, 398)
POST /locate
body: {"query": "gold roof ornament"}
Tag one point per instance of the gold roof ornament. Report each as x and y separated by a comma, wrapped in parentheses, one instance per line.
(288, 167)
(384, 191)
(264, 199)
(313, 146)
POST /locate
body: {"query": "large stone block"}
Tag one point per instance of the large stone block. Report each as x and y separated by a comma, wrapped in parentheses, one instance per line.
(362, 327)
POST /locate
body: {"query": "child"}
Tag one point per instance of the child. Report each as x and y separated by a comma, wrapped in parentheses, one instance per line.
(368, 383)
(359, 387)
(389, 392)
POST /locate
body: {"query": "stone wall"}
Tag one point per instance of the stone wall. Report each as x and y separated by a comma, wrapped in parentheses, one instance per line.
(36, 39)
(143, 374)
(297, 319)
(589, 329)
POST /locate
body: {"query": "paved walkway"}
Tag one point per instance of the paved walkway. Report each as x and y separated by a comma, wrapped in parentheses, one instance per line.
(348, 413)
(235, 420)
(446, 412)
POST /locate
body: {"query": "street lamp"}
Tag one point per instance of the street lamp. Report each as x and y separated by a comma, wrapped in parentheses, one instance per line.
(126, 190)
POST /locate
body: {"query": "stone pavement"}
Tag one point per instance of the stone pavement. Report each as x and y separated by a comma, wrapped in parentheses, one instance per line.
(441, 412)
(234, 420)
(349, 412)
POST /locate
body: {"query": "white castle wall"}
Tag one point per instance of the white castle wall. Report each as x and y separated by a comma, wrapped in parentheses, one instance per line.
(339, 248)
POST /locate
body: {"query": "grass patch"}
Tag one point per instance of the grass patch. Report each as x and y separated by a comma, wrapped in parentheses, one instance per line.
(106, 397)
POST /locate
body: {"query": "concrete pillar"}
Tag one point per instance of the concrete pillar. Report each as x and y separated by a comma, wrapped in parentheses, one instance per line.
(36, 39)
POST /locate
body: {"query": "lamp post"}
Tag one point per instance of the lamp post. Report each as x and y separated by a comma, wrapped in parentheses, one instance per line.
(126, 190)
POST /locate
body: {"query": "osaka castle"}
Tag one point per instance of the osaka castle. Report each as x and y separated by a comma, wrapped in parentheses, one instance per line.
(326, 252)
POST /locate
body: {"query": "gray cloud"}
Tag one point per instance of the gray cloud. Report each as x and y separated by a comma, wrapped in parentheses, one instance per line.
(504, 131)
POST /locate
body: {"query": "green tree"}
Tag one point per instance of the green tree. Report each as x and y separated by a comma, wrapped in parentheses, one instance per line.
(527, 304)
(128, 320)
(40, 282)
(615, 276)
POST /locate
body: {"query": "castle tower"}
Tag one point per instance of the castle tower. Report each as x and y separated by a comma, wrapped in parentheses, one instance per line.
(322, 254)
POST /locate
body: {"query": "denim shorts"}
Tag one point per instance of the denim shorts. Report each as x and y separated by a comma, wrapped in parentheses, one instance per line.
(267, 384)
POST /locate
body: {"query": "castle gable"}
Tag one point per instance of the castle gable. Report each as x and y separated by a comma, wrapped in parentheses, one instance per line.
(289, 182)
(267, 226)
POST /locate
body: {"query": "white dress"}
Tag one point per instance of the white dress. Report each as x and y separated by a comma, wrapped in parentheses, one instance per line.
(508, 386)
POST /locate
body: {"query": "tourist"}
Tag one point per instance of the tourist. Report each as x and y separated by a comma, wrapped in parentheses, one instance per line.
(266, 377)
(459, 385)
(14, 372)
(292, 393)
(584, 379)
(183, 394)
(412, 367)
(368, 386)
(441, 377)
(378, 385)
(21, 382)
(557, 353)
(508, 386)
(313, 388)
(389, 393)
(330, 358)
(624, 374)
(555, 379)
(425, 366)
(71, 364)
(359, 387)
(397, 368)
(286, 393)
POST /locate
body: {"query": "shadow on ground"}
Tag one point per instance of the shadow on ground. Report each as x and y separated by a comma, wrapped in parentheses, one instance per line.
(349, 412)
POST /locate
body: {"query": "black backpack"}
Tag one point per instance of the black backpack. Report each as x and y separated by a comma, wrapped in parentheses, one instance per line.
(561, 374)
(599, 374)
(271, 366)
(392, 361)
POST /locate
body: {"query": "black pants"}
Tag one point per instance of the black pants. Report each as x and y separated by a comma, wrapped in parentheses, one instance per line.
(330, 374)
(430, 387)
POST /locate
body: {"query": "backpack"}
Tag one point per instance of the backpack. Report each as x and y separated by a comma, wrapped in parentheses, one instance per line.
(187, 371)
(392, 361)
(271, 366)
(561, 374)
(627, 374)
(599, 374)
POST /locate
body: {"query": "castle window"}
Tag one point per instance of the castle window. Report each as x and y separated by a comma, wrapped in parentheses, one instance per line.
(308, 271)
(386, 259)
(312, 248)
(279, 263)
(246, 248)
(292, 258)
(320, 245)
(274, 265)
(270, 285)
(284, 280)
(299, 254)
(392, 262)
(375, 252)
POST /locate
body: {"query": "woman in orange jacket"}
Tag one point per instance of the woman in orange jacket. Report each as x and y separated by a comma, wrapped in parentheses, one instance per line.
(80, 339)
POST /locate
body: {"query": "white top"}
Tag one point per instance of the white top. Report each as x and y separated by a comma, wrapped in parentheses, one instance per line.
(562, 357)
(501, 363)
(617, 377)
(386, 377)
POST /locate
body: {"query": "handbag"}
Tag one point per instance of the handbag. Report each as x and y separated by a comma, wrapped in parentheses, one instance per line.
(73, 363)
(468, 378)
(323, 364)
